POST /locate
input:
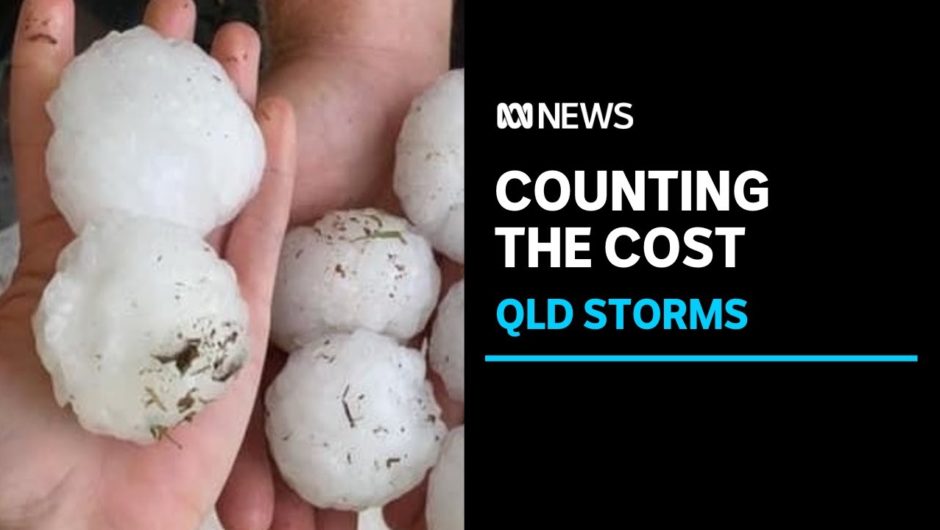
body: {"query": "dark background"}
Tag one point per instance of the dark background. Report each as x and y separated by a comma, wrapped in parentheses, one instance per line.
(832, 107)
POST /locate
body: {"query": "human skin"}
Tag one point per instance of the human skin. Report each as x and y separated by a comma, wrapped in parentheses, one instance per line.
(53, 474)
(351, 69)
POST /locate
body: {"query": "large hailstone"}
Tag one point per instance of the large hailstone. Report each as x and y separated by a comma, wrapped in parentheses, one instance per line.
(152, 127)
(445, 506)
(141, 326)
(352, 422)
(446, 351)
(353, 269)
(429, 177)
(9, 254)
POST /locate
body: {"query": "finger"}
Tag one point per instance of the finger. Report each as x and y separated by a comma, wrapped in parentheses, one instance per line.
(290, 511)
(43, 46)
(253, 252)
(256, 467)
(247, 502)
(255, 243)
(407, 511)
(238, 48)
(174, 19)
(336, 520)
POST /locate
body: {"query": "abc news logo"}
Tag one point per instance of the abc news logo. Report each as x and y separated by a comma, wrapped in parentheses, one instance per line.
(564, 116)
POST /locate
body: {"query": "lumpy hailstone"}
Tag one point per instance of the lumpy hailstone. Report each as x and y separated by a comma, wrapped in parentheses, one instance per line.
(140, 327)
(447, 340)
(352, 422)
(353, 269)
(153, 127)
(429, 176)
(445, 506)
(9, 254)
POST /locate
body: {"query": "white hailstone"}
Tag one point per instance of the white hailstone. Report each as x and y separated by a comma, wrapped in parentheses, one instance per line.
(429, 177)
(445, 506)
(152, 127)
(353, 269)
(212, 522)
(9, 254)
(446, 351)
(352, 422)
(141, 326)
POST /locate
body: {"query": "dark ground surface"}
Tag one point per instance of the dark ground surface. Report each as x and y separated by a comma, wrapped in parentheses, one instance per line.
(95, 17)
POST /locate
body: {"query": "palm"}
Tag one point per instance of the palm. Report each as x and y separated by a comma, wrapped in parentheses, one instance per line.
(350, 102)
(53, 473)
(351, 91)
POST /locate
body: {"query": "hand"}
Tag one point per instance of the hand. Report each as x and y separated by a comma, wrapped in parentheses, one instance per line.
(53, 474)
(351, 70)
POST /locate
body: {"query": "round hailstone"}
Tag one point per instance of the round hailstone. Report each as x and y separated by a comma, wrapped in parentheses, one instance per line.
(9, 254)
(353, 269)
(445, 506)
(429, 177)
(446, 348)
(352, 422)
(153, 127)
(140, 327)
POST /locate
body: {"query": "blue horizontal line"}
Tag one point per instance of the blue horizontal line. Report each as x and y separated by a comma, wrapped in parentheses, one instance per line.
(701, 358)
